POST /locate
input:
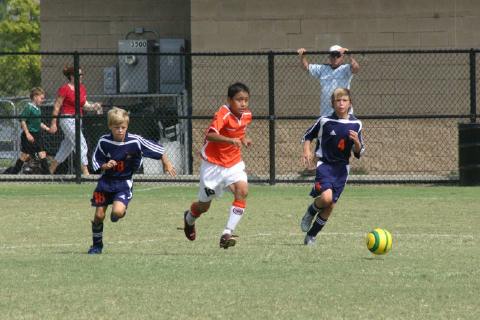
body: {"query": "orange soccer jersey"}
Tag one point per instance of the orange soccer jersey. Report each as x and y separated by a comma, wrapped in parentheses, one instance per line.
(227, 124)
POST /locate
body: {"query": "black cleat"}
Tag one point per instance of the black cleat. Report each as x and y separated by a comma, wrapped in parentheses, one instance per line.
(189, 230)
(227, 240)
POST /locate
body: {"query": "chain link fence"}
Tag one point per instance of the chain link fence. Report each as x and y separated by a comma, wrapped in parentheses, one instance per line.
(410, 102)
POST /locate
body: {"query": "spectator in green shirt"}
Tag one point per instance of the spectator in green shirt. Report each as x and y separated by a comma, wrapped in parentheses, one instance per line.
(32, 144)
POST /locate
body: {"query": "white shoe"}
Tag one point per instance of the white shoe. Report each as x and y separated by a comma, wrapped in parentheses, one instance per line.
(309, 240)
(306, 222)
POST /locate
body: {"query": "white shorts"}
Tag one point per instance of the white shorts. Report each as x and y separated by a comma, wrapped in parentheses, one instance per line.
(214, 179)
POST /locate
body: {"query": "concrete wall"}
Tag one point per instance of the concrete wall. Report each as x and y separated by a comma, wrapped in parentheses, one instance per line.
(246, 25)
(252, 25)
(89, 25)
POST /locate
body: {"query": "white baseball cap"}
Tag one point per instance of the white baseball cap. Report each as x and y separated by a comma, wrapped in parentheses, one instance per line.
(335, 48)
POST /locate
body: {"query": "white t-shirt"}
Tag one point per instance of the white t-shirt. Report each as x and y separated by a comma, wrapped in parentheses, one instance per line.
(330, 79)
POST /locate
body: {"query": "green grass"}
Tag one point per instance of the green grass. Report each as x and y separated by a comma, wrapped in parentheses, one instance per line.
(150, 271)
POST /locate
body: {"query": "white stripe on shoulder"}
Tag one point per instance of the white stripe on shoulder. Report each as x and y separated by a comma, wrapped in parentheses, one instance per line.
(343, 120)
(311, 128)
(147, 143)
(228, 111)
(213, 129)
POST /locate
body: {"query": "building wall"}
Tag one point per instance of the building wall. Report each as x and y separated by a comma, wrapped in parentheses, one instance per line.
(252, 25)
(89, 25)
(248, 25)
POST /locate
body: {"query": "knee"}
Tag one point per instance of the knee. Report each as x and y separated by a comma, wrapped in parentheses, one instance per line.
(241, 194)
(118, 213)
(325, 202)
(200, 207)
(99, 215)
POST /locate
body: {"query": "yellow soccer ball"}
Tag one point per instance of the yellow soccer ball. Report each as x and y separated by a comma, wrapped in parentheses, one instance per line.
(379, 241)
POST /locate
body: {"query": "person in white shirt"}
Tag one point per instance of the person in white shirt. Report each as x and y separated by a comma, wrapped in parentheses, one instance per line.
(332, 75)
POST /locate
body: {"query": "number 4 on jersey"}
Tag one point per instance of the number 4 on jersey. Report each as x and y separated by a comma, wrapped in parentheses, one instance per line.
(341, 144)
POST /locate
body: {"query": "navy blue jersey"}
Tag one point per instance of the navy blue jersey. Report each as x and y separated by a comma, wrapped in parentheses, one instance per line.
(128, 154)
(333, 143)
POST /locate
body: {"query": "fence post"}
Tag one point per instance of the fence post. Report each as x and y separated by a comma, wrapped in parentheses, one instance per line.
(188, 102)
(76, 67)
(271, 114)
(469, 137)
(473, 87)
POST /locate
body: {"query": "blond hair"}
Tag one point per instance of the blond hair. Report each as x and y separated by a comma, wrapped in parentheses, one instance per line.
(117, 116)
(340, 92)
(37, 91)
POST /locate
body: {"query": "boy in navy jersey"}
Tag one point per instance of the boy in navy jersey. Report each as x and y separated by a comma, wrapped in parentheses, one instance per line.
(119, 155)
(337, 136)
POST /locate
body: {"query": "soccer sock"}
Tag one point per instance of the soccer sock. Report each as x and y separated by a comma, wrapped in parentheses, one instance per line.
(236, 212)
(316, 226)
(192, 214)
(97, 234)
(44, 166)
(313, 210)
(18, 166)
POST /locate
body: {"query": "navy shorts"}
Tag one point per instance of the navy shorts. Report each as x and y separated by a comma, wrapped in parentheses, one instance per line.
(109, 190)
(330, 176)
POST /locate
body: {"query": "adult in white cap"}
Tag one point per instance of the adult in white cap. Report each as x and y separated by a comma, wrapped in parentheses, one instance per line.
(332, 75)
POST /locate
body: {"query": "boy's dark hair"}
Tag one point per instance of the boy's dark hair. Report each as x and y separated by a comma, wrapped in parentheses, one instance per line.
(69, 71)
(237, 87)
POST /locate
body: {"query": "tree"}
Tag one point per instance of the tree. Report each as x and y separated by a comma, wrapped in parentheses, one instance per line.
(19, 32)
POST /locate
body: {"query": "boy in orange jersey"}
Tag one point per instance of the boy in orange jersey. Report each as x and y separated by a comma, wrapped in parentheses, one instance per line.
(222, 165)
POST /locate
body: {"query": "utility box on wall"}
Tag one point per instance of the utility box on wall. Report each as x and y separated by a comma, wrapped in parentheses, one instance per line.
(172, 67)
(137, 73)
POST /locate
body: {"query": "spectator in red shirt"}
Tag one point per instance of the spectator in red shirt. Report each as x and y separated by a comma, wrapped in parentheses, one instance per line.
(65, 106)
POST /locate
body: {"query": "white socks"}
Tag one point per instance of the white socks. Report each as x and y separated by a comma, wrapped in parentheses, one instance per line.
(236, 214)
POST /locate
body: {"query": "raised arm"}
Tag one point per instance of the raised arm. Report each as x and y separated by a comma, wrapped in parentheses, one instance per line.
(354, 64)
(303, 58)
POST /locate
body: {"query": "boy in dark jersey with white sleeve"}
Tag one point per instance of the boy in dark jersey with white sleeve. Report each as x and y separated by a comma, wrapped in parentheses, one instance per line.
(337, 136)
(119, 154)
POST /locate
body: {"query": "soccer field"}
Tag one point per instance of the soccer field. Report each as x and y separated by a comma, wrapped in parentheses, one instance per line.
(150, 271)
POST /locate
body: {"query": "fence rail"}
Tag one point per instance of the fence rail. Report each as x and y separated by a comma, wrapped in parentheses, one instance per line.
(411, 103)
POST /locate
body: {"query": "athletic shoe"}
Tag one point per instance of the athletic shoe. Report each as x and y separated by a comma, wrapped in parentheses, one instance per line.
(306, 221)
(309, 240)
(189, 230)
(227, 240)
(95, 250)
